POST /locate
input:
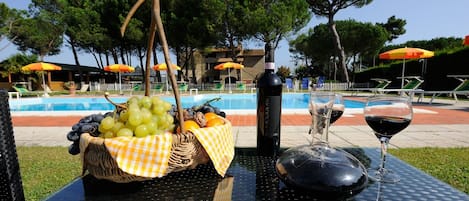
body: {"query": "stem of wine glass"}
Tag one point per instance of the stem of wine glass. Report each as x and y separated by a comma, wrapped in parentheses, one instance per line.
(384, 149)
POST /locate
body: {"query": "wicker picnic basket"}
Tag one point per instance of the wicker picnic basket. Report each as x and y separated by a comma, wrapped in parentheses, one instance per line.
(186, 150)
(186, 153)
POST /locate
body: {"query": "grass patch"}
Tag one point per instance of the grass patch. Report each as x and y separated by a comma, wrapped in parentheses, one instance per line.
(450, 165)
(44, 170)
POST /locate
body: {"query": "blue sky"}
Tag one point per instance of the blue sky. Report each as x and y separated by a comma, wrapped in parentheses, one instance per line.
(426, 19)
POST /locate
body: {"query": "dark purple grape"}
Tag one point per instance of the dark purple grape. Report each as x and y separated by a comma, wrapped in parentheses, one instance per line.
(206, 109)
(97, 117)
(109, 114)
(73, 136)
(76, 127)
(87, 128)
(74, 149)
(216, 110)
(190, 112)
(172, 113)
(86, 119)
(95, 132)
(222, 114)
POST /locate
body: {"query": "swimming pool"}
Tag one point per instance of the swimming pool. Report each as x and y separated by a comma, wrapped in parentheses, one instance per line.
(228, 102)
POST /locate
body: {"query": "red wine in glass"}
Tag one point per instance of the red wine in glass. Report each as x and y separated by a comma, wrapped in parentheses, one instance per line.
(337, 112)
(337, 109)
(386, 126)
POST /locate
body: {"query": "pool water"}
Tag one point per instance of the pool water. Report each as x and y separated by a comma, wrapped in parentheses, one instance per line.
(227, 102)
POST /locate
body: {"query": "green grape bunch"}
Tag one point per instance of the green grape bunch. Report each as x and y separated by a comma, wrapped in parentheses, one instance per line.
(138, 117)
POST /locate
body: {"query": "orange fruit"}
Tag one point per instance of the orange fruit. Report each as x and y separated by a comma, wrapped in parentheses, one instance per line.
(189, 124)
(215, 122)
(210, 115)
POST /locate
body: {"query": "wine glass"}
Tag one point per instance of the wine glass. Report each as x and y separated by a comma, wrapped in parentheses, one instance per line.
(387, 116)
(322, 98)
(338, 108)
(320, 108)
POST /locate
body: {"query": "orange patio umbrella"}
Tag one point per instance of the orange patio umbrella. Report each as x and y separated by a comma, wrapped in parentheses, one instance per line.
(41, 66)
(164, 67)
(466, 40)
(227, 66)
(406, 53)
(119, 68)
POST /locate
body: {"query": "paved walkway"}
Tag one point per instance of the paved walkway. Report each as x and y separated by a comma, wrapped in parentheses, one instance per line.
(442, 124)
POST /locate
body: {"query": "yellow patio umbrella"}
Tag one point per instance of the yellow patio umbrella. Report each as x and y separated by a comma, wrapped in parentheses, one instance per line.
(41, 66)
(406, 53)
(163, 66)
(227, 66)
(119, 68)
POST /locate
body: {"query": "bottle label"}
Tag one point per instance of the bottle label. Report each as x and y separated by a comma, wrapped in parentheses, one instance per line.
(272, 114)
(270, 65)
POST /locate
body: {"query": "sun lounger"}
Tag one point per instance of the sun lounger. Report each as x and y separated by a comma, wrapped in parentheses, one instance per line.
(25, 92)
(218, 87)
(305, 83)
(461, 89)
(320, 83)
(158, 87)
(410, 88)
(183, 87)
(136, 87)
(84, 88)
(382, 84)
(241, 86)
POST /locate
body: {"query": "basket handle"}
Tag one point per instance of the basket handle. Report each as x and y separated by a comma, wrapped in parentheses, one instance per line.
(157, 25)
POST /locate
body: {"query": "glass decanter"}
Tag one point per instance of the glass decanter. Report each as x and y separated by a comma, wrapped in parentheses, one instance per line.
(319, 168)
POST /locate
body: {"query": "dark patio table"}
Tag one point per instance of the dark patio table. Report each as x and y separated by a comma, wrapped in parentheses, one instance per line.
(252, 177)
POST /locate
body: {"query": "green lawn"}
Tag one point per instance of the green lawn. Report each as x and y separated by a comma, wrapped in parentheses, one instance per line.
(450, 165)
(44, 170)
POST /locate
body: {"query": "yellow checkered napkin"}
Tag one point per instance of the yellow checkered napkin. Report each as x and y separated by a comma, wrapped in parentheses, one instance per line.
(145, 157)
(218, 143)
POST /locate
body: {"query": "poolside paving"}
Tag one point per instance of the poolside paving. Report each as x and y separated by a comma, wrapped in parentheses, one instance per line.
(442, 124)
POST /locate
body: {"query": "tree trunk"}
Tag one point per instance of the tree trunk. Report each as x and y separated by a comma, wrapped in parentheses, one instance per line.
(339, 49)
(77, 62)
(155, 61)
(178, 62)
(114, 56)
(97, 60)
(141, 55)
(191, 63)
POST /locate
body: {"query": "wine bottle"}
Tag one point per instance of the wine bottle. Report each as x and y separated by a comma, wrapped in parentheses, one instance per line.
(269, 107)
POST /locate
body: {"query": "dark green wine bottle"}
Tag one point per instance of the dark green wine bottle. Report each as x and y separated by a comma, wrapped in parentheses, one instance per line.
(269, 107)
